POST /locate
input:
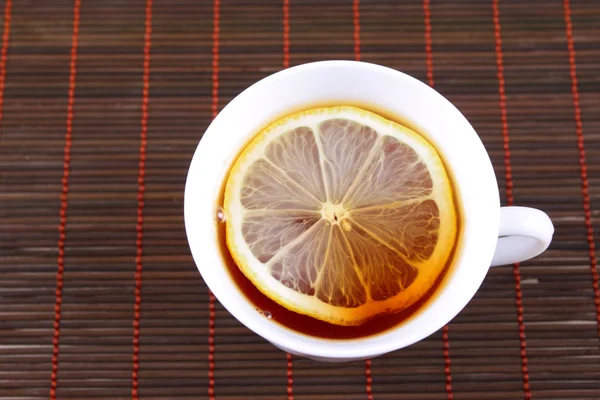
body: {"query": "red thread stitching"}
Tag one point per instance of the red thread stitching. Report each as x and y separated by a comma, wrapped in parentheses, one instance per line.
(3, 56)
(211, 347)
(286, 33)
(215, 110)
(290, 378)
(509, 192)
(582, 162)
(429, 62)
(215, 57)
(447, 362)
(139, 228)
(369, 380)
(63, 200)
(356, 21)
(428, 50)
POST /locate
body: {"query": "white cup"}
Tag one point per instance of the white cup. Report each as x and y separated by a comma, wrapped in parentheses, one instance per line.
(524, 232)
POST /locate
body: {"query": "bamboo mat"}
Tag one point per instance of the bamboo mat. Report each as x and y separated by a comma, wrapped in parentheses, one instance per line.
(102, 103)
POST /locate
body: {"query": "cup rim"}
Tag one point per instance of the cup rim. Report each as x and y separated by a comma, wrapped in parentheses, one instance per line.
(484, 221)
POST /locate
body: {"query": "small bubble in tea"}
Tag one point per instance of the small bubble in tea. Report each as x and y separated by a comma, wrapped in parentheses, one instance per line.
(267, 314)
(220, 215)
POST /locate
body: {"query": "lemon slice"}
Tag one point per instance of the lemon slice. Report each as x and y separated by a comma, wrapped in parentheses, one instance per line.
(340, 214)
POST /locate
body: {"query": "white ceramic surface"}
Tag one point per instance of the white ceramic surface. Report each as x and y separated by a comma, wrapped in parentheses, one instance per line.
(525, 232)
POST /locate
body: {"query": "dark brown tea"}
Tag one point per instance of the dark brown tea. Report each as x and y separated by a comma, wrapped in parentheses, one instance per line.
(343, 215)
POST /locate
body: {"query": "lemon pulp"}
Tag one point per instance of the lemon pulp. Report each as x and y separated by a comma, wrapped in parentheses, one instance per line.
(340, 214)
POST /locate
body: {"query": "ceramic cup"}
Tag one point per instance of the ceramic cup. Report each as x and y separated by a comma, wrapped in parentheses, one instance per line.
(490, 234)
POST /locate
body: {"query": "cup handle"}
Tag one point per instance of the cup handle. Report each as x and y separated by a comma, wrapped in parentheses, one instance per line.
(524, 233)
